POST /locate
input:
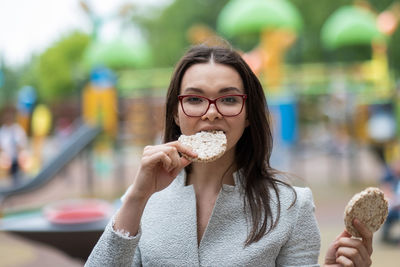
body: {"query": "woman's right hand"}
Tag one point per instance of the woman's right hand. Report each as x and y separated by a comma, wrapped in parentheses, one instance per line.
(159, 166)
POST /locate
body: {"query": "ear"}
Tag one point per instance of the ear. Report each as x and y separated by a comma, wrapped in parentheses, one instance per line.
(247, 123)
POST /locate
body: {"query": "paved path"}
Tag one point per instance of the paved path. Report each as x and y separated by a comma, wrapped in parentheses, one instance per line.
(17, 252)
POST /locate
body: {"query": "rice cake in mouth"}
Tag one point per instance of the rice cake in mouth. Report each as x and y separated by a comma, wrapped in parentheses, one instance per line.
(370, 207)
(209, 145)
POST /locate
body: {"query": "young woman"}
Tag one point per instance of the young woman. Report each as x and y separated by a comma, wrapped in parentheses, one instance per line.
(230, 212)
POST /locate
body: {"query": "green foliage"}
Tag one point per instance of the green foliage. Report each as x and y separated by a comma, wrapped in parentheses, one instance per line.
(27, 74)
(58, 69)
(9, 87)
(309, 49)
(245, 42)
(394, 51)
(380, 5)
(314, 13)
(167, 33)
(15, 78)
(58, 73)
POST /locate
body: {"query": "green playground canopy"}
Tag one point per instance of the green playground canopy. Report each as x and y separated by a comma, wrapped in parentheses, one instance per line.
(350, 25)
(117, 54)
(252, 16)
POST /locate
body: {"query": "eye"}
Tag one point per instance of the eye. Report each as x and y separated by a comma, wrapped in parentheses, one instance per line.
(193, 99)
(229, 100)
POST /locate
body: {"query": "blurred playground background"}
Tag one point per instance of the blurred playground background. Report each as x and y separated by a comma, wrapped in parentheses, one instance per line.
(88, 104)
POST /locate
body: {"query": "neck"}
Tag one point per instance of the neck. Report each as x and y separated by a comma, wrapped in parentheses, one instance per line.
(213, 175)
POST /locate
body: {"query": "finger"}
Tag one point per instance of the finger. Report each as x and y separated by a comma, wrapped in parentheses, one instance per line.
(154, 149)
(172, 153)
(147, 150)
(159, 157)
(176, 160)
(356, 246)
(183, 163)
(330, 257)
(170, 148)
(187, 150)
(343, 261)
(365, 233)
(352, 254)
(342, 234)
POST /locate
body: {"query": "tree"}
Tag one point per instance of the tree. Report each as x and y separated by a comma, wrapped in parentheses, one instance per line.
(393, 49)
(59, 67)
(315, 13)
(9, 85)
(166, 33)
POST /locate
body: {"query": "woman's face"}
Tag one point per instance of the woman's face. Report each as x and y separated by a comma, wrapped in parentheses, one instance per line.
(212, 80)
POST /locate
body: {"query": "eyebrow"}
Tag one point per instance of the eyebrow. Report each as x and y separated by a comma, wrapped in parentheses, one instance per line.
(222, 90)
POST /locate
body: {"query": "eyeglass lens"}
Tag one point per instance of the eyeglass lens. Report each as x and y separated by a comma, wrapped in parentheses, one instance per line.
(230, 105)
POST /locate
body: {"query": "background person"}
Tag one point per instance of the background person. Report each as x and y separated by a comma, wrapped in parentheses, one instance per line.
(13, 142)
(390, 185)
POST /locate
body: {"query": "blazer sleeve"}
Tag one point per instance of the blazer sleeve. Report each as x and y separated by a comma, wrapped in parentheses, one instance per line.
(303, 245)
(114, 249)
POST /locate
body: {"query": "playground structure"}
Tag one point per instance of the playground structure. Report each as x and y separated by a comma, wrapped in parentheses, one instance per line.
(364, 89)
(278, 32)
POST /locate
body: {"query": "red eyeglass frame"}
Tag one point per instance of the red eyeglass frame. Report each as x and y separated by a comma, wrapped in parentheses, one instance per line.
(212, 101)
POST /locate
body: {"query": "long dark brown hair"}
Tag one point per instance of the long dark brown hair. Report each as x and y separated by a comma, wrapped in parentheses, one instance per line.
(253, 149)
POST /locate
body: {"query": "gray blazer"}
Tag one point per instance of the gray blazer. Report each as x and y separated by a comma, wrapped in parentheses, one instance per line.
(168, 234)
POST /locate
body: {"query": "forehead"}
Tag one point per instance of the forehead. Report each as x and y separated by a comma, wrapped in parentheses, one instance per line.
(211, 77)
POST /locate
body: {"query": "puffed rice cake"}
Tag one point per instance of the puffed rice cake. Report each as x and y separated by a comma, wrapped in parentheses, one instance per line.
(370, 207)
(209, 146)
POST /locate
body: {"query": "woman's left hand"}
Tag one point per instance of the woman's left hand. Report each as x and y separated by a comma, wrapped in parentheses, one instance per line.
(347, 251)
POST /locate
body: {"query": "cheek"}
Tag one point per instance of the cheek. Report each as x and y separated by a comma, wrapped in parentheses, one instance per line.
(180, 117)
(185, 123)
(236, 132)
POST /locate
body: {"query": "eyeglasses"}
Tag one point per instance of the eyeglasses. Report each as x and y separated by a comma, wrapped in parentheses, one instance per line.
(197, 106)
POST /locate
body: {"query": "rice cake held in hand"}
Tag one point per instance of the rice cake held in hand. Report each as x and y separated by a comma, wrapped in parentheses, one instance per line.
(209, 146)
(370, 207)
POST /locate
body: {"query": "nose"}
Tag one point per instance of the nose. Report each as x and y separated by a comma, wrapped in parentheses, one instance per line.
(212, 113)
